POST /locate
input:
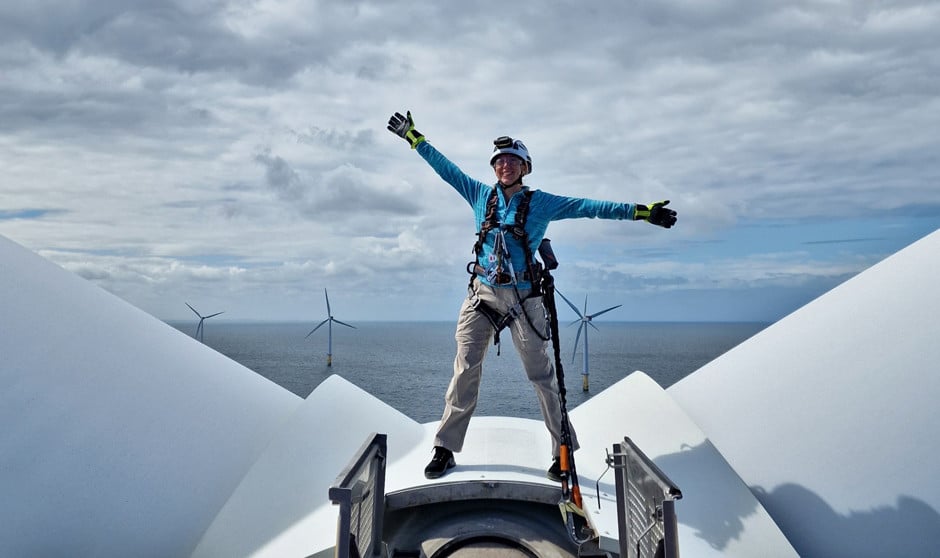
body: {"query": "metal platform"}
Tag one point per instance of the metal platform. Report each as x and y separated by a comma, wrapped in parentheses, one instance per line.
(497, 518)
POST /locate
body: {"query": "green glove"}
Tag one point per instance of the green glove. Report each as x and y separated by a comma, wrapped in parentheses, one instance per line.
(404, 126)
(655, 213)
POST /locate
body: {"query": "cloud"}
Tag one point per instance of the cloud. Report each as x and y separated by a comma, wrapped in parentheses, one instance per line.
(28, 213)
(843, 241)
(162, 147)
(344, 190)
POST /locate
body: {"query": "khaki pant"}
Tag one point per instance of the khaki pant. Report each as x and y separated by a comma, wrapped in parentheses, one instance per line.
(474, 336)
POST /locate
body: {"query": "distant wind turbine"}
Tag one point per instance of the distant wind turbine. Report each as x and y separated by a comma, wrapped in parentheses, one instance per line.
(329, 320)
(585, 320)
(199, 328)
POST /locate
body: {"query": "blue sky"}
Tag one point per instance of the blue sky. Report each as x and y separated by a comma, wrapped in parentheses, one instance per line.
(233, 155)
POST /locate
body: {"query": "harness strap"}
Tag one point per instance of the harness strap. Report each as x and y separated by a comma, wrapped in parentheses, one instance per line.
(498, 320)
(522, 215)
(474, 268)
(491, 221)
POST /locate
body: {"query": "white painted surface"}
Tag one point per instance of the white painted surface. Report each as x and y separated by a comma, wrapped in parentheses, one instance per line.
(121, 436)
(125, 437)
(282, 506)
(830, 414)
(282, 509)
(718, 516)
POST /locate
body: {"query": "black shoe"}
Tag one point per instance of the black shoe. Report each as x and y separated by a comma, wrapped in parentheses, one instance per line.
(554, 472)
(442, 461)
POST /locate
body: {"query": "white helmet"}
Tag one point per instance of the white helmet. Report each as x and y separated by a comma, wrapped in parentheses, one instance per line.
(505, 144)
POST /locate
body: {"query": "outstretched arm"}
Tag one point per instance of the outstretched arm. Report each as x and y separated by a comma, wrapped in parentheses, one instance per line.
(563, 207)
(469, 188)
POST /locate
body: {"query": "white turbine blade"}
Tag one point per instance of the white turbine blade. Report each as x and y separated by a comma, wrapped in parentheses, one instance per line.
(573, 307)
(216, 314)
(316, 328)
(576, 339)
(602, 311)
(194, 310)
(579, 320)
(328, 311)
(585, 305)
(592, 325)
(343, 323)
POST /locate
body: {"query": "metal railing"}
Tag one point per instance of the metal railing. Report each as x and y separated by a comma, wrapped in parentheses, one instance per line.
(359, 490)
(646, 511)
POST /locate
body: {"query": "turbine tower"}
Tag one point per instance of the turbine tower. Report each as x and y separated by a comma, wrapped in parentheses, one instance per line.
(585, 320)
(199, 328)
(329, 320)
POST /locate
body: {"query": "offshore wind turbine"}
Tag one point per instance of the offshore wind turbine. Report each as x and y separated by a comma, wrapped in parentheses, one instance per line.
(199, 328)
(585, 320)
(329, 320)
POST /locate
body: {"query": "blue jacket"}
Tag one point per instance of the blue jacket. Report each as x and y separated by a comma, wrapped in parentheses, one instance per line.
(543, 209)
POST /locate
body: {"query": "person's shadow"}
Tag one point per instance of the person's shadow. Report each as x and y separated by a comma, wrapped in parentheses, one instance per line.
(812, 526)
(910, 528)
(721, 507)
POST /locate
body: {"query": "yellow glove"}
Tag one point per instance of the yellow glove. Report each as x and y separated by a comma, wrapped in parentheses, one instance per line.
(404, 126)
(655, 213)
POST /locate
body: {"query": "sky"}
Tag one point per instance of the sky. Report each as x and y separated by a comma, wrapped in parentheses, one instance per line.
(234, 155)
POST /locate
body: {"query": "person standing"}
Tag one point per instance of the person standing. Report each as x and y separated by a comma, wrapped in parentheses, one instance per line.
(511, 221)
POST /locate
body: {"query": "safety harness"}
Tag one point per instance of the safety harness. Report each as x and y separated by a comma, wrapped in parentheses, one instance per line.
(532, 273)
(491, 221)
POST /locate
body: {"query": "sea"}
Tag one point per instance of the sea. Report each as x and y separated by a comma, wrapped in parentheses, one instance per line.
(408, 365)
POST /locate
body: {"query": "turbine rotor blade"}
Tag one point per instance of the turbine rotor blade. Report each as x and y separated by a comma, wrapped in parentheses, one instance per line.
(576, 339)
(592, 325)
(328, 311)
(194, 310)
(316, 328)
(602, 311)
(573, 307)
(343, 323)
(216, 314)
